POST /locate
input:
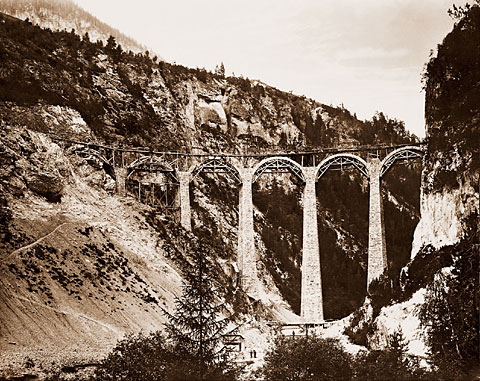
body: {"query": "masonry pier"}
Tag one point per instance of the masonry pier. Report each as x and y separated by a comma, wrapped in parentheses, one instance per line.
(184, 200)
(311, 298)
(377, 253)
(247, 262)
(121, 180)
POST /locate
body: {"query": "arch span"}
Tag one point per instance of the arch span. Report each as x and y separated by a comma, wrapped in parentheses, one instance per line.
(403, 153)
(151, 164)
(216, 164)
(341, 160)
(278, 164)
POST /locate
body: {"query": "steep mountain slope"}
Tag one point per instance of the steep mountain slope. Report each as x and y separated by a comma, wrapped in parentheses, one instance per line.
(66, 15)
(80, 268)
(445, 252)
(59, 84)
(71, 280)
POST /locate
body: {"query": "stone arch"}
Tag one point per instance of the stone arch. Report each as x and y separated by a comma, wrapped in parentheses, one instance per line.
(403, 153)
(151, 164)
(341, 160)
(216, 164)
(278, 163)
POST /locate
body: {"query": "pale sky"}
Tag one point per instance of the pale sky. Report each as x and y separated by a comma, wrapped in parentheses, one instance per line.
(366, 54)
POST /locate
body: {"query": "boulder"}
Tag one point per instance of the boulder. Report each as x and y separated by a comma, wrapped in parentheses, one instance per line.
(46, 184)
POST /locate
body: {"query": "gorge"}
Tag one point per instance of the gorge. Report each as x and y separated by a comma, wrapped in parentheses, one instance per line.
(116, 164)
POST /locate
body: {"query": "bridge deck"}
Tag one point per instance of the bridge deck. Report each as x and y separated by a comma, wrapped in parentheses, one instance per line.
(272, 153)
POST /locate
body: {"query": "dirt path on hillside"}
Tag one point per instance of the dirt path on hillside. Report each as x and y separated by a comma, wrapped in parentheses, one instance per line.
(30, 245)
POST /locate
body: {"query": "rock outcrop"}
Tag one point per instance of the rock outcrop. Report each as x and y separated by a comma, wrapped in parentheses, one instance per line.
(449, 204)
(450, 187)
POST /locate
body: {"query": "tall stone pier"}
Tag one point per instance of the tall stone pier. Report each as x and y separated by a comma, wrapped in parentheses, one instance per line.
(247, 259)
(121, 174)
(312, 299)
(184, 200)
(377, 253)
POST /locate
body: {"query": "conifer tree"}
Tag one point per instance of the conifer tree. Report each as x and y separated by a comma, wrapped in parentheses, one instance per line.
(111, 43)
(196, 327)
(220, 69)
(192, 348)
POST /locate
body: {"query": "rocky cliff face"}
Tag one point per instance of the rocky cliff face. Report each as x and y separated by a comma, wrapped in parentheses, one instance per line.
(446, 215)
(449, 204)
(450, 186)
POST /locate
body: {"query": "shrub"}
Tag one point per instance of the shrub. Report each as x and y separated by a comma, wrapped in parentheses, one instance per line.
(137, 357)
(306, 358)
(450, 317)
(392, 363)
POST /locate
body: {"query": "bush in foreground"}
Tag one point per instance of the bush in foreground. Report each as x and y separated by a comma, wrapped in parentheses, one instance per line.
(155, 358)
(392, 363)
(306, 358)
(137, 357)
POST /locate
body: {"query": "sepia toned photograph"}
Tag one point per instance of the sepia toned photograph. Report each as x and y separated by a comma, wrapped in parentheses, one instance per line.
(260, 190)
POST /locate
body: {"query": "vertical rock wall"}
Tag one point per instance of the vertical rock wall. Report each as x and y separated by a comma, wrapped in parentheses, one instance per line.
(442, 214)
(450, 182)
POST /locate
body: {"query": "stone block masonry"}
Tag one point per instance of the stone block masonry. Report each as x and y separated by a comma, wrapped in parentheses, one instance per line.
(377, 254)
(311, 298)
(240, 236)
(120, 180)
(247, 261)
(184, 200)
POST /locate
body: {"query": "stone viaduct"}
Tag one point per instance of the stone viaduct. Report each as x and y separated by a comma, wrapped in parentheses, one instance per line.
(245, 169)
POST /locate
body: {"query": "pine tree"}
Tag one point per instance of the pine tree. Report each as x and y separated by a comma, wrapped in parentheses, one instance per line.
(192, 348)
(398, 348)
(196, 327)
(220, 70)
(111, 43)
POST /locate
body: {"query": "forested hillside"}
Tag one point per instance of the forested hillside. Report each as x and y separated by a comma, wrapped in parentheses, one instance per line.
(60, 15)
